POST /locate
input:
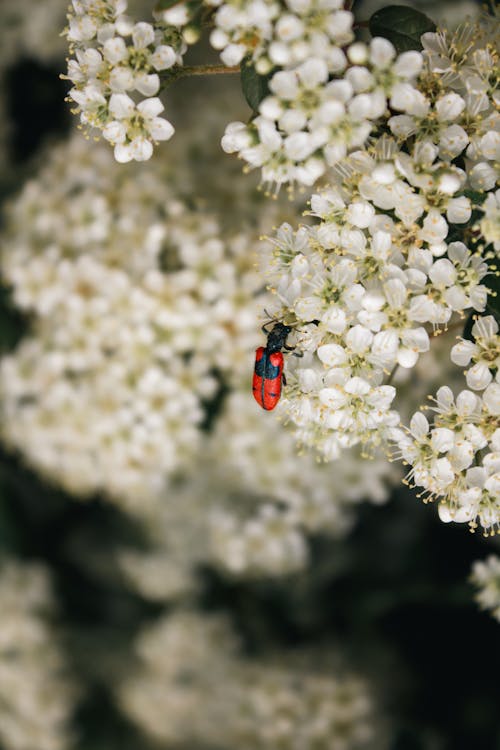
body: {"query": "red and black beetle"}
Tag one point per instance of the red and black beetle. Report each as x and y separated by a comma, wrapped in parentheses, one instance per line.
(268, 373)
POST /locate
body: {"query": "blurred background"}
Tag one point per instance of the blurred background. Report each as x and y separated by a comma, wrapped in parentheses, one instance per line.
(172, 575)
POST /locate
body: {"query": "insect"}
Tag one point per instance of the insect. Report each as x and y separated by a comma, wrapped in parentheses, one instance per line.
(268, 374)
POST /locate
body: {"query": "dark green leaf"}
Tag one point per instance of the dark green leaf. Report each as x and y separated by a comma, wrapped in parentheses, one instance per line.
(166, 4)
(467, 332)
(476, 198)
(12, 324)
(255, 87)
(492, 281)
(401, 25)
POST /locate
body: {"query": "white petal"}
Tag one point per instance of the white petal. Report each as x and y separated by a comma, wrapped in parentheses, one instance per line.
(459, 210)
(479, 376)
(332, 397)
(462, 353)
(123, 153)
(313, 73)
(332, 355)
(453, 141)
(150, 108)
(298, 146)
(357, 386)
(491, 398)
(419, 426)
(416, 339)
(141, 149)
(385, 344)
(233, 54)
(285, 85)
(143, 35)
(164, 57)
(360, 214)
(382, 52)
(408, 64)
(115, 50)
(449, 107)
(160, 129)
(442, 440)
(147, 85)
(407, 358)
(121, 106)
(443, 273)
(115, 132)
(121, 79)
(335, 320)
(467, 403)
(359, 339)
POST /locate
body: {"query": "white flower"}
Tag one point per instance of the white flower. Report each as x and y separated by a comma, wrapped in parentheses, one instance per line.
(108, 394)
(454, 460)
(36, 697)
(483, 352)
(273, 36)
(485, 576)
(268, 695)
(490, 223)
(135, 127)
(115, 56)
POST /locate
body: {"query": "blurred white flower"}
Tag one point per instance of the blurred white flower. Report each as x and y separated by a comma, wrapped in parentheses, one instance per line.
(36, 698)
(139, 302)
(483, 352)
(485, 576)
(206, 691)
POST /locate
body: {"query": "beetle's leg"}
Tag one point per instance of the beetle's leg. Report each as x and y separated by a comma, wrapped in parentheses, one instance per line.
(298, 354)
(283, 378)
(289, 348)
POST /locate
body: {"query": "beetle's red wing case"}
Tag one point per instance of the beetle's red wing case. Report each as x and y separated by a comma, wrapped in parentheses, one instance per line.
(258, 375)
(267, 378)
(272, 385)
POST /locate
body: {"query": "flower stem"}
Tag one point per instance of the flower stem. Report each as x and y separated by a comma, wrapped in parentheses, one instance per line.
(196, 70)
(393, 372)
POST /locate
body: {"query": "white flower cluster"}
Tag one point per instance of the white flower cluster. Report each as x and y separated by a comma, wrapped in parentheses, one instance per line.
(176, 530)
(193, 687)
(138, 302)
(482, 354)
(457, 458)
(322, 107)
(458, 100)
(360, 287)
(490, 221)
(274, 33)
(35, 698)
(294, 495)
(116, 61)
(310, 121)
(486, 577)
(250, 505)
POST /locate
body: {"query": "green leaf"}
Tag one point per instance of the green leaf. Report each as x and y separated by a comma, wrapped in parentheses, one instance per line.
(254, 86)
(401, 25)
(166, 4)
(467, 332)
(476, 197)
(12, 323)
(492, 281)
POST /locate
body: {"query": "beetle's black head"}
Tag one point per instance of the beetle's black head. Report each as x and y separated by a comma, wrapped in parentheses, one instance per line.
(276, 338)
